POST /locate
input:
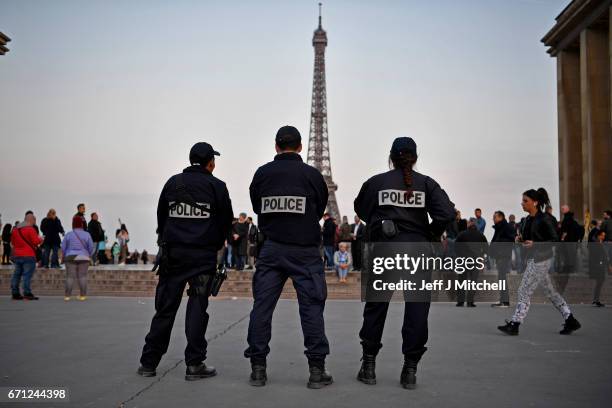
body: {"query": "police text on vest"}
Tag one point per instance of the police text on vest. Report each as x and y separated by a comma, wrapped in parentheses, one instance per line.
(183, 210)
(283, 204)
(401, 198)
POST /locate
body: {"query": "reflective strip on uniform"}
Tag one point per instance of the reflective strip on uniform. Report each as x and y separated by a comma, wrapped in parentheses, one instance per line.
(400, 198)
(283, 204)
(183, 210)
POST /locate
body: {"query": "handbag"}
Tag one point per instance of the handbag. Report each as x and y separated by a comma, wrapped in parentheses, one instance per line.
(74, 258)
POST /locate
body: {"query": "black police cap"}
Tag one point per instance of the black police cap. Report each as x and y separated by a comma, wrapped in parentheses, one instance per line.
(403, 144)
(201, 153)
(288, 135)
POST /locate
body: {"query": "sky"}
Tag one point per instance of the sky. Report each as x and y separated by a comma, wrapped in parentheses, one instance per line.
(100, 101)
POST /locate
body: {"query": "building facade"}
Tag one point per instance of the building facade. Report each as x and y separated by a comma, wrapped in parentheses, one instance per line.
(581, 42)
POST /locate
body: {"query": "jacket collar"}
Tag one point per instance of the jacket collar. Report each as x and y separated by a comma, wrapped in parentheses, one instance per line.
(500, 224)
(196, 169)
(288, 156)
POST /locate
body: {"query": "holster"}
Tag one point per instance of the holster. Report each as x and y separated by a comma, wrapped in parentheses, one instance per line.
(388, 228)
(200, 285)
(218, 278)
(261, 238)
(381, 229)
(161, 260)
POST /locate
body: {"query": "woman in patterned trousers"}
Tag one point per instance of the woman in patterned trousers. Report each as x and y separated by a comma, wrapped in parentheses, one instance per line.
(537, 235)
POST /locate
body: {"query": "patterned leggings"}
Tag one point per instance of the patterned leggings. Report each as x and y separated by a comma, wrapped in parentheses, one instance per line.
(536, 274)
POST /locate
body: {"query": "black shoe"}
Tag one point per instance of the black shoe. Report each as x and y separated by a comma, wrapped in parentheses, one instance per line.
(501, 304)
(597, 303)
(510, 328)
(459, 304)
(258, 375)
(570, 325)
(146, 371)
(319, 377)
(367, 373)
(471, 304)
(408, 376)
(17, 296)
(196, 372)
(29, 296)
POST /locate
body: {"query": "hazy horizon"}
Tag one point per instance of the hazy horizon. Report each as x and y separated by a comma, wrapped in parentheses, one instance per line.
(101, 101)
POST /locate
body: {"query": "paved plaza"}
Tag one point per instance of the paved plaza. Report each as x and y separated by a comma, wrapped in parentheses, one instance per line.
(92, 348)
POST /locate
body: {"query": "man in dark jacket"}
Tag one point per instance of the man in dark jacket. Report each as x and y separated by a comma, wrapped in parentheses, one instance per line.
(571, 232)
(51, 228)
(251, 243)
(329, 238)
(501, 250)
(240, 232)
(357, 234)
(97, 235)
(81, 214)
(599, 262)
(473, 244)
(194, 216)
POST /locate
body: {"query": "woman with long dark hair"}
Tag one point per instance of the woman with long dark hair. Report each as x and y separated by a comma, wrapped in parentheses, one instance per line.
(405, 200)
(537, 235)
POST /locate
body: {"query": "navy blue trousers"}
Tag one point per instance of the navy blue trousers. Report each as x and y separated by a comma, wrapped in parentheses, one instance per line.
(414, 328)
(276, 263)
(168, 295)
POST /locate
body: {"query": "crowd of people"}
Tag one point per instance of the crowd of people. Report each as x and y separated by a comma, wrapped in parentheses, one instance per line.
(26, 246)
(342, 245)
(567, 258)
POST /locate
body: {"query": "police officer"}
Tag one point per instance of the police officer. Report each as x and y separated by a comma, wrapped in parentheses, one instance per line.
(406, 198)
(289, 197)
(194, 215)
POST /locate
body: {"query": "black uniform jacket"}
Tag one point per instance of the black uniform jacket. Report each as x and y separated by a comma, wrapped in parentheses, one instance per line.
(181, 225)
(384, 197)
(289, 197)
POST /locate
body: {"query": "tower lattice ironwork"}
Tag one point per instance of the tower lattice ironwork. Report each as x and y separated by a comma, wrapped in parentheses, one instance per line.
(318, 142)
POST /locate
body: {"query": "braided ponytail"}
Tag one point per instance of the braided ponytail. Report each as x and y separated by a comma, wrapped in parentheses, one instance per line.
(405, 161)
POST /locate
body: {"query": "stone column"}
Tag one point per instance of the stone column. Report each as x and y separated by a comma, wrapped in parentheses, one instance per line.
(596, 131)
(570, 130)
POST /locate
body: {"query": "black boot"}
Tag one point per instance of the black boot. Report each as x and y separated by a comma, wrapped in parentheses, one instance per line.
(367, 373)
(258, 375)
(570, 325)
(408, 376)
(146, 371)
(17, 296)
(196, 372)
(29, 296)
(319, 377)
(510, 328)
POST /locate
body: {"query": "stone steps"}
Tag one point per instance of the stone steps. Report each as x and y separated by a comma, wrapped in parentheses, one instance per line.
(141, 282)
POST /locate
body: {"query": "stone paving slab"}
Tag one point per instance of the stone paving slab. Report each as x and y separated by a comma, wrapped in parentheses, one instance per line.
(92, 348)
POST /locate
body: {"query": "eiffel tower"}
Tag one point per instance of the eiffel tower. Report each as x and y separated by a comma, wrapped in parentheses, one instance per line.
(318, 142)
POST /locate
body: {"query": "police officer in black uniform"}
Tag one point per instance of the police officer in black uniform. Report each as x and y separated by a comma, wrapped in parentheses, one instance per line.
(405, 198)
(194, 216)
(289, 197)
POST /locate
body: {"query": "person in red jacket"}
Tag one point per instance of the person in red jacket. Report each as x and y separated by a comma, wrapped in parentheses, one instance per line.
(24, 240)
